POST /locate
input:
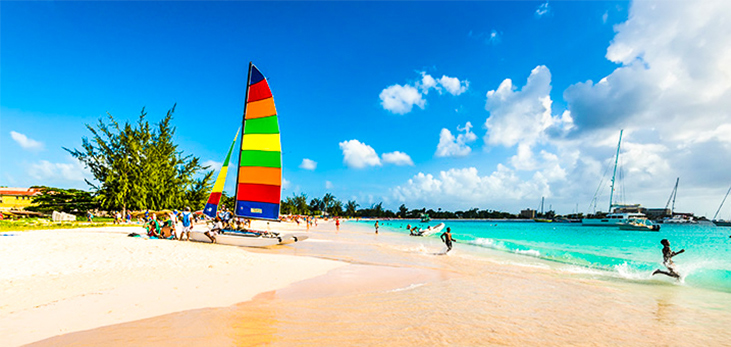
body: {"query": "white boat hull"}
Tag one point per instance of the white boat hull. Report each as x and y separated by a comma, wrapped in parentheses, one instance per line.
(609, 222)
(244, 240)
(432, 230)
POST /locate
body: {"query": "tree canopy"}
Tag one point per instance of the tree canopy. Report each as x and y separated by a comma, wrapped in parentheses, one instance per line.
(137, 166)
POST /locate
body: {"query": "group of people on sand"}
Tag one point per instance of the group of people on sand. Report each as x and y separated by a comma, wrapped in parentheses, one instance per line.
(168, 228)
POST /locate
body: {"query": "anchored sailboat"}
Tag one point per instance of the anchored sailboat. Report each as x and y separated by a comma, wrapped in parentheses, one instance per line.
(259, 174)
(626, 219)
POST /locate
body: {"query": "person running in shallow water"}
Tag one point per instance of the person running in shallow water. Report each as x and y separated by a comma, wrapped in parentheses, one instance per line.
(448, 239)
(667, 260)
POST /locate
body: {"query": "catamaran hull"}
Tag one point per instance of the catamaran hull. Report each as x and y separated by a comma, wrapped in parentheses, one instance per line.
(613, 222)
(243, 240)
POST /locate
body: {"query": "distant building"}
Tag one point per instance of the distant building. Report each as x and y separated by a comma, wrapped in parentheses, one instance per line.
(17, 198)
(528, 214)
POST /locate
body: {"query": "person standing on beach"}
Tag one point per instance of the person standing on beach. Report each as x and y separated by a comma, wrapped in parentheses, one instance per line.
(337, 223)
(376, 227)
(667, 260)
(187, 220)
(447, 239)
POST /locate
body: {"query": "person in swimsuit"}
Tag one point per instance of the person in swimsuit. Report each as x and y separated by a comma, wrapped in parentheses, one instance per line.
(667, 260)
(376, 227)
(448, 239)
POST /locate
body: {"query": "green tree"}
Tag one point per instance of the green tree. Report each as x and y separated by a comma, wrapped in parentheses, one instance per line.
(402, 210)
(351, 208)
(139, 167)
(63, 200)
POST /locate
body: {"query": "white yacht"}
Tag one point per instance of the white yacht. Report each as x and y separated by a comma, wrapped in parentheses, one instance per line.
(613, 219)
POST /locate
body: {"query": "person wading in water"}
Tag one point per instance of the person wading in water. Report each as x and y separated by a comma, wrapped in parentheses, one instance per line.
(447, 239)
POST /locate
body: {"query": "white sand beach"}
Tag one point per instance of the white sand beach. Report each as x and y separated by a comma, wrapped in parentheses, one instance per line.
(350, 287)
(60, 281)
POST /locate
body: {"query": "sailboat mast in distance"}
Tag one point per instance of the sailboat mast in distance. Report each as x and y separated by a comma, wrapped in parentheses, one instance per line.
(616, 159)
(259, 179)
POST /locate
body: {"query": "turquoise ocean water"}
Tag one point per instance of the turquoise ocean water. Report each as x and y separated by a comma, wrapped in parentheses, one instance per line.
(604, 251)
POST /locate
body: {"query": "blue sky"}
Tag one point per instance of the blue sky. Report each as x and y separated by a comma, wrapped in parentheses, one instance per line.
(431, 104)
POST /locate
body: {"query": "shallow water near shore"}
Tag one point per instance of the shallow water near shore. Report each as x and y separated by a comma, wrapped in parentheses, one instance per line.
(402, 290)
(607, 251)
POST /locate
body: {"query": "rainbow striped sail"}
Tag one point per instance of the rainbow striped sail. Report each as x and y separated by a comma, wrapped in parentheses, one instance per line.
(259, 182)
(215, 197)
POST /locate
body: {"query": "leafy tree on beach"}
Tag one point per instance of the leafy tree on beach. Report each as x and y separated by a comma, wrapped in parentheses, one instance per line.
(351, 208)
(63, 200)
(139, 167)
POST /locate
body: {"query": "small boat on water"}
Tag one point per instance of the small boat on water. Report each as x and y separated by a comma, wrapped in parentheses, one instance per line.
(680, 219)
(640, 224)
(429, 231)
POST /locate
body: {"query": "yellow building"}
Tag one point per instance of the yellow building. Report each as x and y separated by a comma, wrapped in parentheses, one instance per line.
(17, 198)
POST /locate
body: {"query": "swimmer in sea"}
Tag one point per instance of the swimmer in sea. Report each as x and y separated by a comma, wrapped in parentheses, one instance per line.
(447, 239)
(667, 255)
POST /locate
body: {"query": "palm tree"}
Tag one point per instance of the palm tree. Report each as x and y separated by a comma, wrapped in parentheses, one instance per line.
(350, 208)
(336, 209)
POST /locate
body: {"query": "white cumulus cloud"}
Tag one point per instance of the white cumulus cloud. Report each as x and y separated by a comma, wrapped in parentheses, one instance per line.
(329, 185)
(397, 158)
(520, 115)
(46, 171)
(401, 99)
(308, 164)
(358, 155)
(450, 146)
(453, 85)
(26, 142)
(465, 188)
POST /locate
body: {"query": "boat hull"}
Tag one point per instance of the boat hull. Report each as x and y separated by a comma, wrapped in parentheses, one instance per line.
(720, 223)
(433, 230)
(608, 222)
(247, 240)
(654, 228)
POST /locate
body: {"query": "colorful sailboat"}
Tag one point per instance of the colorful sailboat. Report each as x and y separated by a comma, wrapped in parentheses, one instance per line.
(259, 178)
(215, 197)
(259, 174)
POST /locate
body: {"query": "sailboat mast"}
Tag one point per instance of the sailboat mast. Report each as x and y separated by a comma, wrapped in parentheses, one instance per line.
(719, 207)
(243, 124)
(616, 159)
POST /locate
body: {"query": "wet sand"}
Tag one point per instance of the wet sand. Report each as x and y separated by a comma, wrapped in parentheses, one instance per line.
(399, 291)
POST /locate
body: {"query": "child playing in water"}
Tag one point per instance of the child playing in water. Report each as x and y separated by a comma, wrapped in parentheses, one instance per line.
(447, 239)
(667, 255)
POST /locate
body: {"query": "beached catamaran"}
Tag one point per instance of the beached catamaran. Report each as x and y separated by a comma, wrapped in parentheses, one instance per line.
(259, 175)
